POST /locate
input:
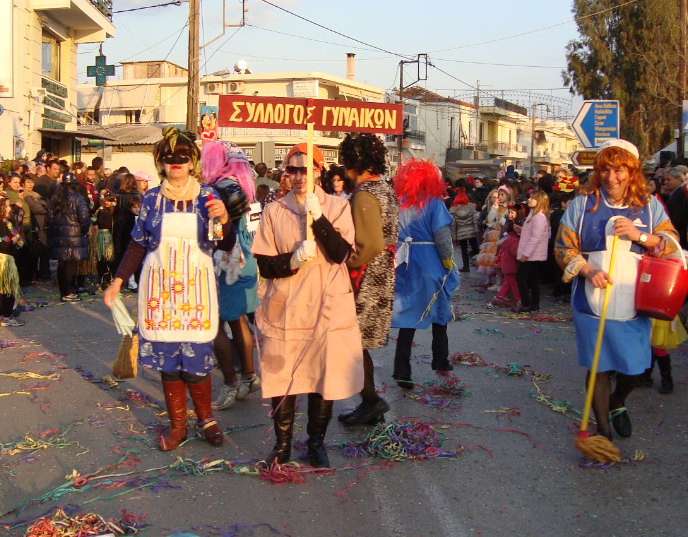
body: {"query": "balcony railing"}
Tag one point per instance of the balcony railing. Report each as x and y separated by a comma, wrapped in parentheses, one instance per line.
(104, 6)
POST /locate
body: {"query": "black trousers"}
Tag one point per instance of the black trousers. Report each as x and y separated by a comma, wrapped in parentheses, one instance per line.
(473, 241)
(65, 272)
(528, 283)
(6, 305)
(402, 355)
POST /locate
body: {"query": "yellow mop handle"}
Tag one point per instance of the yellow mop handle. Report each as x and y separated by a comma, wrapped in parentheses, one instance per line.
(598, 345)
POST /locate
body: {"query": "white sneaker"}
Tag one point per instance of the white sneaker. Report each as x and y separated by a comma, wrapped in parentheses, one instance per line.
(228, 396)
(248, 385)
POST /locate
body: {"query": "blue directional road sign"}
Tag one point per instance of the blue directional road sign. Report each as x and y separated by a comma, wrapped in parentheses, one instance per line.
(596, 122)
(685, 116)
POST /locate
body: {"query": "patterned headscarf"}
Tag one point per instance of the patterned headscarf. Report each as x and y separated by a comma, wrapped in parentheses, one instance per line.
(170, 137)
(234, 152)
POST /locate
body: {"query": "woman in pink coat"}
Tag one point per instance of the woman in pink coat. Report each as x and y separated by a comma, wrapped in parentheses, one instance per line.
(307, 313)
(531, 249)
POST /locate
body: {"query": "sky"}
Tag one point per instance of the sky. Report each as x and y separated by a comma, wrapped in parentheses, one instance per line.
(510, 47)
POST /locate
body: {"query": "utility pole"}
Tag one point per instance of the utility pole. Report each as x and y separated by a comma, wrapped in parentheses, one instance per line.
(401, 100)
(478, 138)
(194, 85)
(681, 79)
(532, 141)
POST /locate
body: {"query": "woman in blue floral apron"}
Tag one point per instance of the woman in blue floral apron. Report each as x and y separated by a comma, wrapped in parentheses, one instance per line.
(178, 298)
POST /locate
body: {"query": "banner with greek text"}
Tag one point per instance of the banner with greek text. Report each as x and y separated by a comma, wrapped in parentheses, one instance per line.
(326, 115)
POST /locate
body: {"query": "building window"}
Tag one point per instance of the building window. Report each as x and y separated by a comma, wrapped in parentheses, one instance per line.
(132, 116)
(50, 56)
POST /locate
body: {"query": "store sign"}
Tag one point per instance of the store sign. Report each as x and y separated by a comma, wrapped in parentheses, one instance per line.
(51, 124)
(54, 87)
(6, 50)
(325, 115)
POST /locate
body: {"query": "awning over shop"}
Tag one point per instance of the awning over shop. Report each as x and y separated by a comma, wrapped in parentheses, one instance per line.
(60, 134)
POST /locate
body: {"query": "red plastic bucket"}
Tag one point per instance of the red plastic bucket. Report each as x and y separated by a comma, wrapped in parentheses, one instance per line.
(662, 287)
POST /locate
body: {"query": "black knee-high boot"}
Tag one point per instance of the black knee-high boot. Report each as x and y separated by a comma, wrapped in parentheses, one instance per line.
(664, 363)
(402, 358)
(319, 415)
(283, 420)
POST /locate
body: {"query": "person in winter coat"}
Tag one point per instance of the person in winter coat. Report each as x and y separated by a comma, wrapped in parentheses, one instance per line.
(531, 249)
(307, 313)
(39, 208)
(508, 263)
(69, 221)
(464, 228)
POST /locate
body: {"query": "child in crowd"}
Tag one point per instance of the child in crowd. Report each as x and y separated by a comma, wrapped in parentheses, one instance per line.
(561, 200)
(508, 265)
(464, 228)
(10, 241)
(135, 208)
(496, 218)
(106, 251)
(532, 249)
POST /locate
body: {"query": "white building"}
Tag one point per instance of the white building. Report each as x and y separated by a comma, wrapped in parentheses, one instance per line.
(443, 123)
(38, 71)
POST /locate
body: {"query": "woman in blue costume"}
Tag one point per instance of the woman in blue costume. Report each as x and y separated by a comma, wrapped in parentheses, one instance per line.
(425, 275)
(226, 168)
(177, 302)
(615, 201)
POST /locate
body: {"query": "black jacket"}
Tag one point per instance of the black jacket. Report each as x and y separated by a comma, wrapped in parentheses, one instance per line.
(69, 228)
(677, 207)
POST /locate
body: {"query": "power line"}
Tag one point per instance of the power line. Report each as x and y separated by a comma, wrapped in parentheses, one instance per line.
(156, 44)
(575, 19)
(175, 3)
(502, 64)
(309, 38)
(336, 32)
(202, 66)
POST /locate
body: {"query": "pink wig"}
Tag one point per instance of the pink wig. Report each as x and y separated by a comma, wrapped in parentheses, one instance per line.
(417, 182)
(221, 160)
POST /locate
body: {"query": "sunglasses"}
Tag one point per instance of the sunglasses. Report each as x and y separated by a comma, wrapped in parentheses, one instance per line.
(292, 170)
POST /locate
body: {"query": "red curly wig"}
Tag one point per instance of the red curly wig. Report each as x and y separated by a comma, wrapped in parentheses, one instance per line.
(461, 198)
(637, 194)
(417, 182)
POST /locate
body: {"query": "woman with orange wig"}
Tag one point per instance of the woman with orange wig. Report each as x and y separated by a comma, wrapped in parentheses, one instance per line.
(425, 274)
(615, 201)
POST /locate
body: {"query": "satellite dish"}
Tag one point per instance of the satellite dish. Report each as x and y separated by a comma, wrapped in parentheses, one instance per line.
(241, 67)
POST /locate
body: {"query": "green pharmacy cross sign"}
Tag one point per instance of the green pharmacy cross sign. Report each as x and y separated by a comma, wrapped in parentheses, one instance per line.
(100, 70)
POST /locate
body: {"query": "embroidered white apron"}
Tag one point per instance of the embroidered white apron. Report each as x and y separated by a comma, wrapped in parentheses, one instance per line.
(621, 305)
(177, 290)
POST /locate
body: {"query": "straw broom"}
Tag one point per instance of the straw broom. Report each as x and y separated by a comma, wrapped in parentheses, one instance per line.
(126, 362)
(597, 448)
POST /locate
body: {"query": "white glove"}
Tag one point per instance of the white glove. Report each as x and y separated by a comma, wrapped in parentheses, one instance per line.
(303, 253)
(313, 205)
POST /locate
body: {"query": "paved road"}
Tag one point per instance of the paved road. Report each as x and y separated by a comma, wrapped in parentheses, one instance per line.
(518, 473)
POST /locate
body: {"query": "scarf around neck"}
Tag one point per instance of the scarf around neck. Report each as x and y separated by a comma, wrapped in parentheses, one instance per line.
(187, 192)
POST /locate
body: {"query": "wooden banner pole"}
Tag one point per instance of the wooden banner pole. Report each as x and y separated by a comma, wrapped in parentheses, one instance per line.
(309, 178)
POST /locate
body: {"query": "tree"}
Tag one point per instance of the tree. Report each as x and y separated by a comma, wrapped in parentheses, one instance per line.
(629, 53)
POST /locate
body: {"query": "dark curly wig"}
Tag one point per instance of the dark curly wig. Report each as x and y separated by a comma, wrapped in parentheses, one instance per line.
(334, 170)
(363, 152)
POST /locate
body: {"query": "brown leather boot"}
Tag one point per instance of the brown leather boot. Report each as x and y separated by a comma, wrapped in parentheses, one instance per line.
(201, 395)
(175, 399)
